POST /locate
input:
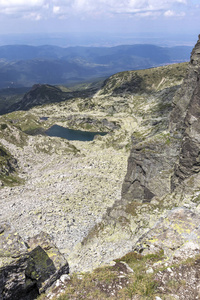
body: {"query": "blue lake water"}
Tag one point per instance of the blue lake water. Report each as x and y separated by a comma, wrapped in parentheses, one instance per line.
(72, 135)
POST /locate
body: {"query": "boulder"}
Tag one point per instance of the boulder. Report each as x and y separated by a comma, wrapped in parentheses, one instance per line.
(28, 269)
(150, 167)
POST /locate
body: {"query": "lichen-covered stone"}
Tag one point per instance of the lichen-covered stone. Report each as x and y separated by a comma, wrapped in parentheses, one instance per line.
(46, 263)
(12, 245)
(178, 234)
(27, 270)
(150, 167)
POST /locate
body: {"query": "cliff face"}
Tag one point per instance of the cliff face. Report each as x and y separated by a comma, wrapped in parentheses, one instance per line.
(185, 118)
(162, 162)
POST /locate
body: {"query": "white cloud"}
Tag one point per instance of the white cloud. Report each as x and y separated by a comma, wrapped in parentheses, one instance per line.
(122, 6)
(147, 14)
(33, 16)
(44, 8)
(182, 1)
(17, 3)
(56, 9)
(171, 13)
(21, 7)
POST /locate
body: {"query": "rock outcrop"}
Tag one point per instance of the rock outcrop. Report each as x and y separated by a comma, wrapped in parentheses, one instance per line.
(8, 164)
(163, 161)
(150, 167)
(178, 235)
(185, 118)
(28, 268)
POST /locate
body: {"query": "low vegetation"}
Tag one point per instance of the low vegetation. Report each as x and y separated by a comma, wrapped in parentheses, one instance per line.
(128, 277)
(145, 81)
(133, 276)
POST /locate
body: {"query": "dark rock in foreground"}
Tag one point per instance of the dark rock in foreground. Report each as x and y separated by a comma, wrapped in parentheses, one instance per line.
(28, 269)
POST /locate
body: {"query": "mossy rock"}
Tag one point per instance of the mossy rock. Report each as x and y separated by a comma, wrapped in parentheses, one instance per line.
(8, 168)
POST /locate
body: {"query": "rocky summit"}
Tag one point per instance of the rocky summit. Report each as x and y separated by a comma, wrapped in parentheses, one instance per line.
(113, 218)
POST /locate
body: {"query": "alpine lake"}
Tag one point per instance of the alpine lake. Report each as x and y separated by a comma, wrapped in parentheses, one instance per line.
(70, 134)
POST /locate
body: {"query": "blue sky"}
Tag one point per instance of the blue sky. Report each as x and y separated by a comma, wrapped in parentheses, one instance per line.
(125, 17)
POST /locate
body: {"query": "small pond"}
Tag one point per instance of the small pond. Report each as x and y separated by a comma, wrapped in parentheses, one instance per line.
(71, 134)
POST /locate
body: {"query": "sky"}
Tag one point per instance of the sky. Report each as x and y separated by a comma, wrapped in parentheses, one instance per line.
(170, 20)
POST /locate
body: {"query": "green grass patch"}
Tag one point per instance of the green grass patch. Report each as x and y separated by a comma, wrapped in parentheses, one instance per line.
(11, 180)
(132, 207)
(137, 261)
(145, 81)
(8, 168)
(104, 282)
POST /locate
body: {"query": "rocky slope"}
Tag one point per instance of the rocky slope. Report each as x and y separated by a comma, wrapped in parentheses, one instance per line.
(162, 173)
(76, 191)
(44, 94)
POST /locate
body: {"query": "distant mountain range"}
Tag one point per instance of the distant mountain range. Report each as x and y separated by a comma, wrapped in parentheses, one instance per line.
(23, 66)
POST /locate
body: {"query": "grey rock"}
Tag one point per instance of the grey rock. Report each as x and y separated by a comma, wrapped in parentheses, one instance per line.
(185, 119)
(189, 161)
(178, 234)
(149, 271)
(162, 162)
(8, 164)
(64, 278)
(28, 270)
(88, 123)
(150, 167)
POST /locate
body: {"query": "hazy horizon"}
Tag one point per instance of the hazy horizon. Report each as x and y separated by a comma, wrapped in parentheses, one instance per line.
(100, 23)
(97, 39)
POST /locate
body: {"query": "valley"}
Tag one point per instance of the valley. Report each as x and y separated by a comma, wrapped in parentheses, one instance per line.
(23, 65)
(99, 200)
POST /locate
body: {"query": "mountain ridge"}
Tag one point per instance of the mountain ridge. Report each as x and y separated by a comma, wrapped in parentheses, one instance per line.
(27, 65)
